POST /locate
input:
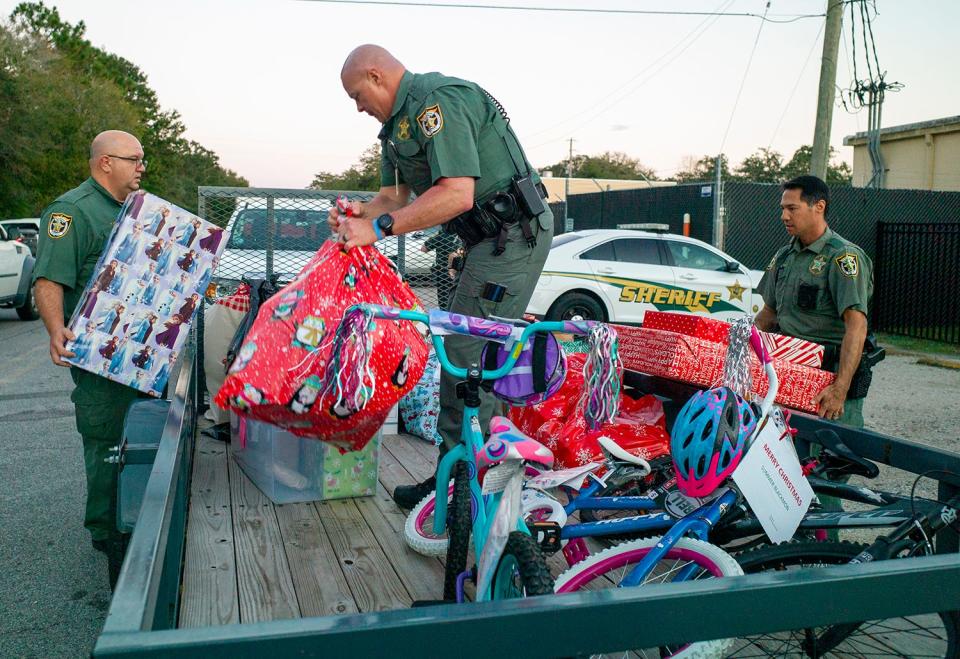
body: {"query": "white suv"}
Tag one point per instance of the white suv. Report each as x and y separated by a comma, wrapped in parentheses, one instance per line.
(618, 275)
(16, 270)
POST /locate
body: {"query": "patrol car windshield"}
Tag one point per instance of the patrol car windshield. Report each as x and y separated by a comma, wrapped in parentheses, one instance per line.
(294, 229)
(563, 239)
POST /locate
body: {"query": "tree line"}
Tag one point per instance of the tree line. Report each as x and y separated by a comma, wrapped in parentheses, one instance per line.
(57, 91)
(763, 166)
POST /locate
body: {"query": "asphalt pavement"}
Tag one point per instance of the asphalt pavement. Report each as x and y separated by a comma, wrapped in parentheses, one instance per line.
(53, 585)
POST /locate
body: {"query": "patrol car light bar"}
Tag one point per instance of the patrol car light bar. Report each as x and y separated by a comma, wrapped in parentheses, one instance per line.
(647, 226)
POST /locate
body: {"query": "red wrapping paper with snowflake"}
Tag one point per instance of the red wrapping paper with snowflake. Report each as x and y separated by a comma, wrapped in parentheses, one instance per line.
(639, 427)
(286, 372)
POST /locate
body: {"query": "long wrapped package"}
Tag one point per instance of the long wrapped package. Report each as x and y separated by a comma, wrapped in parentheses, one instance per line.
(787, 348)
(136, 310)
(286, 373)
(698, 361)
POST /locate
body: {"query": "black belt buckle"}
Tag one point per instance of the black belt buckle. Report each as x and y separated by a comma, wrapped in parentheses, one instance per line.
(547, 535)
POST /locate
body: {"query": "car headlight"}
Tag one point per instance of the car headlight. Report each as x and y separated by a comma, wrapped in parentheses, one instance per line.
(221, 288)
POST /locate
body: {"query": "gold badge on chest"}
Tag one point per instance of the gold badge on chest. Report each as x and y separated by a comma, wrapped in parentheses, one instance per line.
(403, 129)
(817, 265)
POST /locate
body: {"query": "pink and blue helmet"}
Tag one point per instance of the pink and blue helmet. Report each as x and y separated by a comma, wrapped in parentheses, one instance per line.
(709, 438)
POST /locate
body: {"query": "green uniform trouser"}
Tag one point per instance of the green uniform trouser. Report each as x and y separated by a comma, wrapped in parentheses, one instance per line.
(852, 416)
(100, 407)
(518, 268)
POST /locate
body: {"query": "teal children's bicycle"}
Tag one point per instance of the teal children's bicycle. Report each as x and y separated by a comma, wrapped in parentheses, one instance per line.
(487, 474)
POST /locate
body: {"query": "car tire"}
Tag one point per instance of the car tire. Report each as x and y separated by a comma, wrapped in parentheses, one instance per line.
(28, 310)
(577, 306)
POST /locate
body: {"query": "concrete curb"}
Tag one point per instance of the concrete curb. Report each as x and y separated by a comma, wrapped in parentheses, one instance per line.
(940, 362)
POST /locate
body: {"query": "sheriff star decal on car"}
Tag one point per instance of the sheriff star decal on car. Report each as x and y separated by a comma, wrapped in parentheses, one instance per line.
(736, 291)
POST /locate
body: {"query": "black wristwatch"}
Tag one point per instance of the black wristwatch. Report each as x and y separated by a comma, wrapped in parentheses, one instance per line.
(385, 222)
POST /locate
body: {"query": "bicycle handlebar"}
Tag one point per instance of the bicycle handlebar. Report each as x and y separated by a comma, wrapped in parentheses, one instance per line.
(444, 322)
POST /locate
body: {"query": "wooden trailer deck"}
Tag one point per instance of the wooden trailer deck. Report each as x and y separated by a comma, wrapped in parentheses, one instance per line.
(250, 560)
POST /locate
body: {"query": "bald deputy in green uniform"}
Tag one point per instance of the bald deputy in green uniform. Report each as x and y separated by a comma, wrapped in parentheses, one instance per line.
(74, 231)
(818, 288)
(449, 142)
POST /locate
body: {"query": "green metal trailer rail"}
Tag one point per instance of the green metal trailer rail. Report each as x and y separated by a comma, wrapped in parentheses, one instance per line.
(143, 614)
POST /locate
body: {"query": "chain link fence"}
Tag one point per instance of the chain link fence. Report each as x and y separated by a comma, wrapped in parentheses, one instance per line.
(277, 231)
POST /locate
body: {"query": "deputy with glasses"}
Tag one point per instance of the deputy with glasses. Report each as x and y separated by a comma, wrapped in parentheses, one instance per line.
(450, 143)
(74, 233)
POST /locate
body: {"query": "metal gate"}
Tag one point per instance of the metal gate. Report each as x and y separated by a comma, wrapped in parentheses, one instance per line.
(917, 280)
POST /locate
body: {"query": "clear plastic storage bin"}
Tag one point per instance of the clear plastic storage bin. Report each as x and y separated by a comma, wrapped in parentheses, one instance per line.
(289, 469)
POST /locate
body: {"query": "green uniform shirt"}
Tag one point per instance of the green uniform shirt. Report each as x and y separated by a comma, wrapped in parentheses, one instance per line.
(445, 127)
(74, 232)
(810, 287)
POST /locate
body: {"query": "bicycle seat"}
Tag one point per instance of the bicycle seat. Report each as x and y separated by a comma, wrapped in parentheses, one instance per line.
(507, 442)
(853, 463)
(616, 452)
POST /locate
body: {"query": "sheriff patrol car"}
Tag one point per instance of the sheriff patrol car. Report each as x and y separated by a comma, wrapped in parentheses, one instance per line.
(617, 275)
(16, 270)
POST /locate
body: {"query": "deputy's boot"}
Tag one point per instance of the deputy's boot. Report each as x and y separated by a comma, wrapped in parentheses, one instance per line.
(408, 496)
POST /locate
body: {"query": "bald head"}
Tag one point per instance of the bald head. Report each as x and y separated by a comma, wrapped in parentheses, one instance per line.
(371, 77)
(371, 56)
(112, 141)
(116, 162)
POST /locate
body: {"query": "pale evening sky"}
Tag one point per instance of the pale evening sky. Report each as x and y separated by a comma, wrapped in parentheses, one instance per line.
(258, 81)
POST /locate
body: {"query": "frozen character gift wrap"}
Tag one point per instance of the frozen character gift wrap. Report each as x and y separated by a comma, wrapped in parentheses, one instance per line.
(137, 307)
(293, 367)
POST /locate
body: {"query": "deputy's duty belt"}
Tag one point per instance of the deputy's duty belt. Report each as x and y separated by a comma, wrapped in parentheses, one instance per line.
(491, 217)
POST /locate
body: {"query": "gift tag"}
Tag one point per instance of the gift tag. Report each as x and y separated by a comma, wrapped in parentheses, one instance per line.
(772, 481)
(572, 477)
(497, 477)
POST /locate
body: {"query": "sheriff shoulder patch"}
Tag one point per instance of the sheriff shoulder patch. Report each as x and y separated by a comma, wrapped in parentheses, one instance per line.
(403, 129)
(431, 120)
(849, 264)
(59, 225)
(772, 263)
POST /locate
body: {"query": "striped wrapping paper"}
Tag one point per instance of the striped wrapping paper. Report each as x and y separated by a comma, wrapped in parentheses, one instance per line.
(787, 348)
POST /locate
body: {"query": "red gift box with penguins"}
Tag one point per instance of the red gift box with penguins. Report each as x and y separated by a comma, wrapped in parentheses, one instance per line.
(288, 372)
(136, 310)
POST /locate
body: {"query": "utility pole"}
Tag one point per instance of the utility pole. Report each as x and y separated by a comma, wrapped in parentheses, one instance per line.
(828, 85)
(566, 187)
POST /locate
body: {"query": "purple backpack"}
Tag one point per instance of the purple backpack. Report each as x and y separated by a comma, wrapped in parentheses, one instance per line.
(538, 373)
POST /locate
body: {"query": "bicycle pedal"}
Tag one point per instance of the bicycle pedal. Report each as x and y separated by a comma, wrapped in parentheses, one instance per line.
(547, 535)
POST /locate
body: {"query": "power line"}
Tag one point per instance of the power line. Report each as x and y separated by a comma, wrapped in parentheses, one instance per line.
(780, 18)
(593, 108)
(743, 81)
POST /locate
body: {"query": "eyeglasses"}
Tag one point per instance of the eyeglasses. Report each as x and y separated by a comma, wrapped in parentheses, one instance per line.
(137, 162)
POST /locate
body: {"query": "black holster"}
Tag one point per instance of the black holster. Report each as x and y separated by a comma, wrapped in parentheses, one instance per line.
(873, 354)
(492, 218)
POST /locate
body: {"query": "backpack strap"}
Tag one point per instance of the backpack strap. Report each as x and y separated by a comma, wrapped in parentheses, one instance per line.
(539, 363)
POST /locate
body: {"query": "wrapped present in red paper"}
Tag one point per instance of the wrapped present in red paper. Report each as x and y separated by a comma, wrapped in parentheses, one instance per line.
(280, 373)
(631, 430)
(792, 349)
(700, 362)
(788, 348)
(690, 324)
(640, 426)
